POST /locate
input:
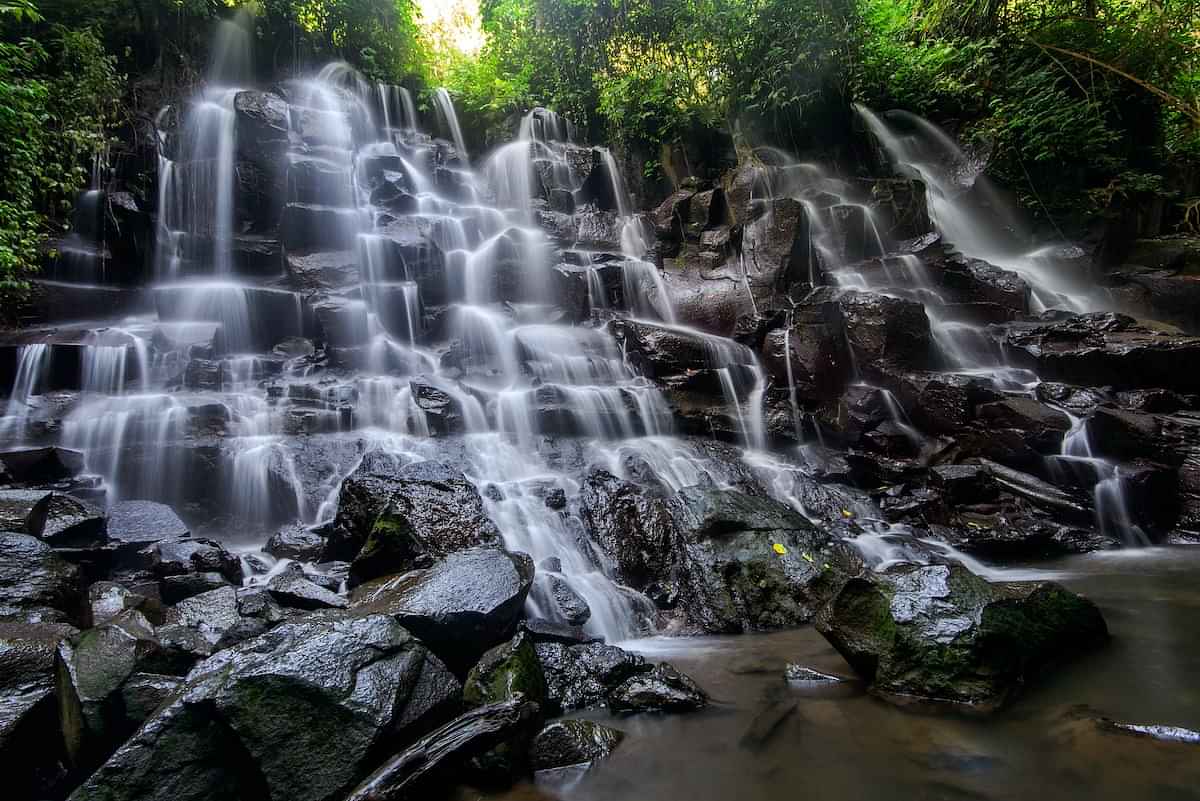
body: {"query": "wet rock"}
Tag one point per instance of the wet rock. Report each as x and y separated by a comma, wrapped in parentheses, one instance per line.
(810, 357)
(671, 215)
(801, 673)
(30, 743)
(1041, 427)
(899, 207)
(91, 668)
(632, 525)
(751, 563)
(663, 689)
(177, 557)
(965, 483)
(36, 585)
(133, 525)
(208, 614)
(460, 607)
(885, 330)
(431, 510)
(297, 541)
(939, 632)
(543, 630)
(505, 671)
(262, 123)
(292, 589)
(331, 690)
(430, 762)
(567, 743)
(107, 599)
(143, 693)
(177, 588)
(1105, 349)
(580, 676)
(65, 522)
(41, 465)
(572, 608)
(976, 281)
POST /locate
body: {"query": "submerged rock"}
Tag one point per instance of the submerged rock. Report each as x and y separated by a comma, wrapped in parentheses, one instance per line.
(941, 633)
(569, 743)
(663, 689)
(298, 713)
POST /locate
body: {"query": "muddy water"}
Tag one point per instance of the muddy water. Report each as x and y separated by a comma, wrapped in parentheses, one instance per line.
(844, 744)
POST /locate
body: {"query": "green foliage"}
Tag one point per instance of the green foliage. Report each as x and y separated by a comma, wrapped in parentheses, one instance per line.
(57, 103)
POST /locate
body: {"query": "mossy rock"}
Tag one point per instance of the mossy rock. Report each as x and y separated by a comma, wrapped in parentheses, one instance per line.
(942, 633)
(509, 668)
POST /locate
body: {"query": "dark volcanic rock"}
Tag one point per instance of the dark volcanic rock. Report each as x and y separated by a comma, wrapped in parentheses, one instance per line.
(65, 522)
(504, 671)
(30, 743)
(178, 588)
(939, 632)
(176, 557)
(663, 689)
(432, 510)
(300, 713)
(297, 541)
(36, 585)
(632, 525)
(752, 563)
(460, 607)
(417, 771)
(565, 743)
(136, 524)
(292, 589)
(41, 465)
(579, 676)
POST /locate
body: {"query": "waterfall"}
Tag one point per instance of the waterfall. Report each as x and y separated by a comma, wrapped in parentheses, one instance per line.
(445, 107)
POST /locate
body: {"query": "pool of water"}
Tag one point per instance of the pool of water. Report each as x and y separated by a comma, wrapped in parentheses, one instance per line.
(845, 744)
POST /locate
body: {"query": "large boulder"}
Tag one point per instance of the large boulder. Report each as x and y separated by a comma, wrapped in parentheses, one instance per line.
(300, 713)
(941, 633)
(748, 562)
(41, 465)
(30, 744)
(62, 521)
(582, 675)
(632, 525)
(36, 585)
(133, 525)
(432, 510)
(462, 606)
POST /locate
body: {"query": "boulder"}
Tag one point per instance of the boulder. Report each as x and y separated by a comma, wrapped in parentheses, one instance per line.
(297, 541)
(290, 588)
(41, 465)
(663, 689)
(941, 633)
(569, 743)
(36, 585)
(299, 713)
(30, 743)
(91, 668)
(107, 599)
(174, 589)
(177, 557)
(570, 606)
(208, 615)
(431, 510)
(465, 604)
(885, 330)
(582, 675)
(632, 525)
(428, 765)
(509, 669)
(977, 281)
(1041, 427)
(133, 525)
(62, 521)
(899, 208)
(751, 563)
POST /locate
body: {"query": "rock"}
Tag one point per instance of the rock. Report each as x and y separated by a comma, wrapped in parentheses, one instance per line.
(1106, 349)
(671, 215)
(505, 671)
(543, 630)
(291, 589)
(965, 483)
(177, 557)
(30, 743)
(263, 125)
(415, 772)
(663, 689)
(899, 208)
(177, 588)
(631, 524)
(297, 541)
(299, 713)
(806, 675)
(571, 607)
(885, 330)
(36, 585)
(1041, 427)
(41, 465)
(580, 676)
(107, 599)
(977, 281)
(431, 511)
(65, 522)
(208, 614)
(460, 607)
(91, 668)
(941, 633)
(143, 693)
(567, 743)
(133, 525)
(751, 563)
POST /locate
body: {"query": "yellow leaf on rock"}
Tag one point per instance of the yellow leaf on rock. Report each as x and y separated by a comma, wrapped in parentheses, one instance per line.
(779, 549)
